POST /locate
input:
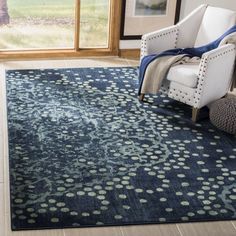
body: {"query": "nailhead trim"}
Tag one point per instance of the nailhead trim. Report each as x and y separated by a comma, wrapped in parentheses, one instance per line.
(181, 96)
(145, 40)
(202, 74)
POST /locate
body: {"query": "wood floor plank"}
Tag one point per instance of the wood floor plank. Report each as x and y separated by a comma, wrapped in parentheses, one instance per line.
(40, 64)
(2, 215)
(234, 223)
(102, 62)
(218, 228)
(151, 230)
(1, 168)
(36, 233)
(2, 76)
(133, 62)
(4, 133)
(94, 231)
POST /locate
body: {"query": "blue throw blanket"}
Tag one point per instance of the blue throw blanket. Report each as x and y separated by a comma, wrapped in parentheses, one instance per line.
(190, 52)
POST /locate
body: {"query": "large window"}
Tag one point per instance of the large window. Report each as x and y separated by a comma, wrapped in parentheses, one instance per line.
(51, 24)
(94, 23)
(36, 24)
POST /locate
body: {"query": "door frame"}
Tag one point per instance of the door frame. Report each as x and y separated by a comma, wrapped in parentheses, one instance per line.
(113, 40)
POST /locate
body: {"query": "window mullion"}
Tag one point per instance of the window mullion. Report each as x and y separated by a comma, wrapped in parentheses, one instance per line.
(77, 25)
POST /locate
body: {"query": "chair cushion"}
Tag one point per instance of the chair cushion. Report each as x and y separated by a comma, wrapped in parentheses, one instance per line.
(214, 23)
(186, 74)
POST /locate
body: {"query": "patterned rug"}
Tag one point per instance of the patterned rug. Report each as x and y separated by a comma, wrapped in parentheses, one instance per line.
(84, 151)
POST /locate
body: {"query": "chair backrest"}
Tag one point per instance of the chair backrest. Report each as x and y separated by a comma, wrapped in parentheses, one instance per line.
(214, 23)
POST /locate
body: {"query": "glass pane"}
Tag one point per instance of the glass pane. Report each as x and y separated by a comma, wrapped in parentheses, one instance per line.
(94, 23)
(36, 24)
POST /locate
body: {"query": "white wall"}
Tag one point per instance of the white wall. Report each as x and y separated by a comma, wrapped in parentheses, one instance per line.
(129, 44)
(186, 7)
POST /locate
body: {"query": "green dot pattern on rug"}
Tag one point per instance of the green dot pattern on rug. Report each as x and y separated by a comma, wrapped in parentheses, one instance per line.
(83, 151)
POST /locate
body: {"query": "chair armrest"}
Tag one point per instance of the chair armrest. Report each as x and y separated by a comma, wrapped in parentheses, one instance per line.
(215, 74)
(159, 41)
(218, 52)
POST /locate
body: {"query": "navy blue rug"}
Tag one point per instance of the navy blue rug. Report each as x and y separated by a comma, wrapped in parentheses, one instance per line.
(84, 151)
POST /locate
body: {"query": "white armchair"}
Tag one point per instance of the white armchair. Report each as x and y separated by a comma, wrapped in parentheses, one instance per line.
(196, 84)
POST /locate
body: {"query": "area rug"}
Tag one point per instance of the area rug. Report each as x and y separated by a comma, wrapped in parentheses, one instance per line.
(83, 151)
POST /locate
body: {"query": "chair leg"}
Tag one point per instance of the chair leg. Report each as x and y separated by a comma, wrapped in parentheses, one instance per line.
(141, 97)
(195, 113)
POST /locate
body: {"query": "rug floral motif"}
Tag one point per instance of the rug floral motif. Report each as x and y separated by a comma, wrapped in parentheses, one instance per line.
(83, 151)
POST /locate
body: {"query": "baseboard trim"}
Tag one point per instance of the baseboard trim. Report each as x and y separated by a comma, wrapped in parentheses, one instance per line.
(129, 53)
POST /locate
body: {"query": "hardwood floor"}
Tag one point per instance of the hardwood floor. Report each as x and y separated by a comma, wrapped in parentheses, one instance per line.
(208, 229)
(162, 229)
(2, 214)
(104, 231)
(226, 228)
